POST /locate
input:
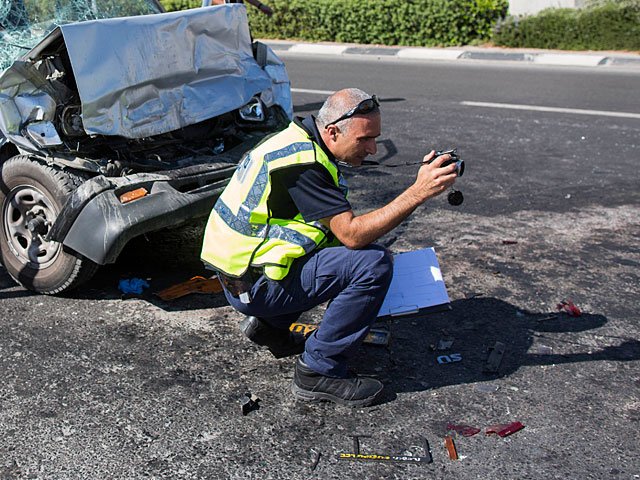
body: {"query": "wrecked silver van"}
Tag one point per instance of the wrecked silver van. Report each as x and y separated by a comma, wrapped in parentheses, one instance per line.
(118, 119)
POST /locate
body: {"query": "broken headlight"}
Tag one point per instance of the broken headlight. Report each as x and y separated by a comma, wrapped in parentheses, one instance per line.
(252, 111)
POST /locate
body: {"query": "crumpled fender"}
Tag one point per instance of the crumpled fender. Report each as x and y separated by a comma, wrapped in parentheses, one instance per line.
(96, 224)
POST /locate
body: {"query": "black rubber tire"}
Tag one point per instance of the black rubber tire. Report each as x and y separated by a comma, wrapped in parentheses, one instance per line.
(32, 190)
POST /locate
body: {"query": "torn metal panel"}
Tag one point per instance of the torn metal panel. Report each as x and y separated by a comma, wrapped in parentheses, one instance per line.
(147, 75)
(23, 99)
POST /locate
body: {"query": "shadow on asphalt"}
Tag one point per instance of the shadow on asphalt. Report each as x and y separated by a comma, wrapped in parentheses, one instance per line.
(410, 362)
(7, 287)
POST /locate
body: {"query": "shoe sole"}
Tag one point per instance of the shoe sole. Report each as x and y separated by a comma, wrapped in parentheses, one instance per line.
(246, 326)
(307, 396)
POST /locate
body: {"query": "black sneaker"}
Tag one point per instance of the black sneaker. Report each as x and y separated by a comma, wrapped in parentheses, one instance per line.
(280, 342)
(355, 391)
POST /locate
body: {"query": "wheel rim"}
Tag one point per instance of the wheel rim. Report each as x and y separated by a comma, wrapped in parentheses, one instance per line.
(28, 216)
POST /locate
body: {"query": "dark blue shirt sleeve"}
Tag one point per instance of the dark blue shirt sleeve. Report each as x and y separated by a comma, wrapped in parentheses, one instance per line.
(313, 192)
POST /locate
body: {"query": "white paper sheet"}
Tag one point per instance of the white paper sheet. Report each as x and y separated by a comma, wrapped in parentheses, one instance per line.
(417, 283)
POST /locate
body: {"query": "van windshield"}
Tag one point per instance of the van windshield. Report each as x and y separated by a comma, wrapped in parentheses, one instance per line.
(24, 23)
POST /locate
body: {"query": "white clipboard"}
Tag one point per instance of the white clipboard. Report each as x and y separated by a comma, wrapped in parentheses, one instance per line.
(417, 285)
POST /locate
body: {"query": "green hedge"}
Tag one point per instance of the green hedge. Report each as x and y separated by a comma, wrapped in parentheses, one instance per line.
(173, 5)
(385, 22)
(602, 26)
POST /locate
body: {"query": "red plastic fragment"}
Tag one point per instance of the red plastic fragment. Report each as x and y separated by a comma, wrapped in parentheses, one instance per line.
(569, 307)
(505, 429)
(464, 430)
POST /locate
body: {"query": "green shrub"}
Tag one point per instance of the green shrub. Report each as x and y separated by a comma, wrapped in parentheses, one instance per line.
(386, 22)
(173, 5)
(604, 25)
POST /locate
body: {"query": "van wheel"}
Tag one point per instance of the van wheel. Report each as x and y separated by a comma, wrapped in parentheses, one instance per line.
(31, 197)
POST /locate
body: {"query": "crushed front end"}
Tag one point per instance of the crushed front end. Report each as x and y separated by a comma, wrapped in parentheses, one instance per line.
(162, 105)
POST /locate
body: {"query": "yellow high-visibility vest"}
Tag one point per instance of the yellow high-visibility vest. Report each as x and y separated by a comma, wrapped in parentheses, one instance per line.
(241, 232)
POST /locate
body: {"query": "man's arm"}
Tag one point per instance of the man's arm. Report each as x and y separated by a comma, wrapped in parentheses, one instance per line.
(359, 231)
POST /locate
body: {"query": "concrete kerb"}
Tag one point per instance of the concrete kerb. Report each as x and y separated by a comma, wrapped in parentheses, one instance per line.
(538, 57)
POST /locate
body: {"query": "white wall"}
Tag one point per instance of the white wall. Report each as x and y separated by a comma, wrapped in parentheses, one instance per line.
(520, 7)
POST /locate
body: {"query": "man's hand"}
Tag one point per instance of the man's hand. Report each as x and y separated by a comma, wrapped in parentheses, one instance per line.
(359, 231)
(433, 179)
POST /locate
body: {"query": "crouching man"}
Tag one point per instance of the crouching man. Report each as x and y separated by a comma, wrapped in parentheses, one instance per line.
(283, 238)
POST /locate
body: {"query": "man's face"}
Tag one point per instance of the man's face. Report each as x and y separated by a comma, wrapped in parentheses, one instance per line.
(359, 141)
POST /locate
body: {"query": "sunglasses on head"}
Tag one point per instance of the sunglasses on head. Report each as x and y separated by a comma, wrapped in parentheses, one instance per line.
(365, 106)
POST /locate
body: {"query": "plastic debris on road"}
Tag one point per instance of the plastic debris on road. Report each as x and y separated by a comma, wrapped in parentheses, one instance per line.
(250, 402)
(494, 358)
(195, 284)
(443, 344)
(451, 447)
(569, 307)
(504, 429)
(133, 285)
(452, 358)
(486, 388)
(377, 335)
(544, 350)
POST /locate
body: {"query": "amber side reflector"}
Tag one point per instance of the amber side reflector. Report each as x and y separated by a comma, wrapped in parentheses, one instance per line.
(133, 195)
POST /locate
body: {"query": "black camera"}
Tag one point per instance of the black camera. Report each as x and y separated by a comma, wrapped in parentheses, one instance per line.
(454, 159)
(454, 197)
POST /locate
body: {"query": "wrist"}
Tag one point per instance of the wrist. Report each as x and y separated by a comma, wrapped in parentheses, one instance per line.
(416, 194)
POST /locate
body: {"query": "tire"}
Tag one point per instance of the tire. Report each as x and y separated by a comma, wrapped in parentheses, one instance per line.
(31, 196)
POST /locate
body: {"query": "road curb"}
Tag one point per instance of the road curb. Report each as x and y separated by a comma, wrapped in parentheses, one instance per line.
(537, 57)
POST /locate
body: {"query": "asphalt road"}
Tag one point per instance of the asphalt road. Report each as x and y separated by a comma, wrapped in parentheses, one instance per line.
(94, 385)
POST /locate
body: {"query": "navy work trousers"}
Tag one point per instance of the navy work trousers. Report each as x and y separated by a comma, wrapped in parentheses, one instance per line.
(356, 282)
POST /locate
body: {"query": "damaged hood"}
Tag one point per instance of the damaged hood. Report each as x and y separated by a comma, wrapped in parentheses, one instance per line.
(147, 75)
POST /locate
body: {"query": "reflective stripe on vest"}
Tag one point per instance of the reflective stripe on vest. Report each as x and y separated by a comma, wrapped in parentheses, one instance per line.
(240, 223)
(250, 236)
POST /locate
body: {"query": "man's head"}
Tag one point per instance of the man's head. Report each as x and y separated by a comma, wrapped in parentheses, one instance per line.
(349, 123)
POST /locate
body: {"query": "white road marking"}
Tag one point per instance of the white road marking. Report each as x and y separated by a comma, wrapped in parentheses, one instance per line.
(535, 108)
(319, 92)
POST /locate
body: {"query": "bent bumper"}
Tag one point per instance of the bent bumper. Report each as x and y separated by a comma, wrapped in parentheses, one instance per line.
(96, 224)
